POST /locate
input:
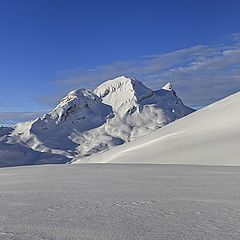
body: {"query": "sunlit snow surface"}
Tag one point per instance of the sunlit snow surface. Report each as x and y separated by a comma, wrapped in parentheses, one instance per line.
(120, 202)
(87, 122)
(210, 136)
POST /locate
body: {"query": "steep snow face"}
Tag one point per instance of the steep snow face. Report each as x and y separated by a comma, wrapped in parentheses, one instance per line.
(5, 131)
(137, 111)
(81, 108)
(210, 136)
(86, 122)
(80, 111)
(122, 93)
(128, 95)
(168, 87)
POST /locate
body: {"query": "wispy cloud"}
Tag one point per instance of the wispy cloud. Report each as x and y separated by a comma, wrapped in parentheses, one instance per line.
(236, 36)
(201, 74)
(11, 118)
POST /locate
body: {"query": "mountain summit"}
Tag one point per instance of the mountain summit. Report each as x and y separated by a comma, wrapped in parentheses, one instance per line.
(127, 95)
(86, 122)
(82, 108)
(122, 93)
(168, 87)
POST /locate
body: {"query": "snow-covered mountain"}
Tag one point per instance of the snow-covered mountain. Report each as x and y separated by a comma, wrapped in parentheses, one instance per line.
(86, 122)
(210, 136)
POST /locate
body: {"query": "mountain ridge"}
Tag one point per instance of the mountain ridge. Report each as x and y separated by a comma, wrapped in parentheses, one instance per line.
(86, 122)
(209, 136)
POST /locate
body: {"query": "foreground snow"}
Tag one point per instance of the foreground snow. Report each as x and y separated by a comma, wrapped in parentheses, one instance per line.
(210, 136)
(120, 202)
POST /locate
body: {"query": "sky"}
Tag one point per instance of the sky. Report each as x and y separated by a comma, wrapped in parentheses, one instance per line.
(50, 47)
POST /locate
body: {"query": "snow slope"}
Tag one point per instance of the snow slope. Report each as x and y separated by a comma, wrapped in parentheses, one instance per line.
(209, 136)
(116, 202)
(86, 122)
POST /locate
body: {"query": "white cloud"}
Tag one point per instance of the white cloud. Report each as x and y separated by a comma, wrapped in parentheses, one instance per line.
(236, 36)
(201, 74)
(11, 118)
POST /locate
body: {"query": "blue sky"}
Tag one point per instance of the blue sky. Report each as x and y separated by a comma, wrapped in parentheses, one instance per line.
(49, 47)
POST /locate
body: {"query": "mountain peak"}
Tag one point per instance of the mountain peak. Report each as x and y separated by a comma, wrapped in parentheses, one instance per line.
(122, 77)
(79, 95)
(80, 106)
(86, 122)
(122, 85)
(80, 91)
(116, 84)
(122, 93)
(168, 87)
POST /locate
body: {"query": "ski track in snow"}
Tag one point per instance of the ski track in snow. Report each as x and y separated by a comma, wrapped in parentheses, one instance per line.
(116, 202)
